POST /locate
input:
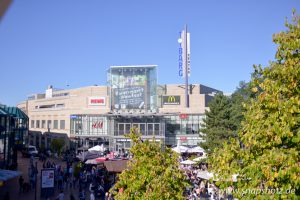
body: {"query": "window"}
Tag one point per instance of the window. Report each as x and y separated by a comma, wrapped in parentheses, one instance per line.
(60, 105)
(37, 123)
(49, 124)
(47, 106)
(156, 129)
(43, 123)
(150, 129)
(62, 124)
(121, 129)
(32, 124)
(55, 124)
(143, 129)
(127, 128)
(60, 94)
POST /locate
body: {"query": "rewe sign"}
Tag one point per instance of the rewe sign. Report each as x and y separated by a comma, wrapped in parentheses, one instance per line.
(96, 101)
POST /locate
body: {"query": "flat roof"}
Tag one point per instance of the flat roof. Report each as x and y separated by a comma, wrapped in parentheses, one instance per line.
(133, 66)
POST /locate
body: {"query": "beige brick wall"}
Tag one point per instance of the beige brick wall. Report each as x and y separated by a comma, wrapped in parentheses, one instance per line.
(75, 103)
(196, 100)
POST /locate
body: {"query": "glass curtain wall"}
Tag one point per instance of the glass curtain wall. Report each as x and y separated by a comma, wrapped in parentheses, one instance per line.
(4, 152)
(89, 125)
(147, 126)
(176, 126)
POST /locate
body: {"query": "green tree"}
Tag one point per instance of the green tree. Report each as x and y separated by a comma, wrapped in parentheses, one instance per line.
(221, 122)
(153, 172)
(57, 145)
(270, 157)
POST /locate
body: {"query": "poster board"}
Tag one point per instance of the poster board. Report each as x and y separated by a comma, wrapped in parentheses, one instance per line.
(47, 182)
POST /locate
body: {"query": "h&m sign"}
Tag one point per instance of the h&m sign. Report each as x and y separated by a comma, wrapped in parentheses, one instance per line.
(97, 125)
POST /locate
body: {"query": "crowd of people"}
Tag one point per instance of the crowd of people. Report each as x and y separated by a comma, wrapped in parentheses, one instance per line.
(89, 182)
(202, 188)
(73, 180)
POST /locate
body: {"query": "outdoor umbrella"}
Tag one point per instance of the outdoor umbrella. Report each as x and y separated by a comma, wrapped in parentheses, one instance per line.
(90, 155)
(199, 158)
(97, 148)
(187, 162)
(91, 161)
(180, 149)
(101, 159)
(205, 175)
(196, 149)
(87, 155)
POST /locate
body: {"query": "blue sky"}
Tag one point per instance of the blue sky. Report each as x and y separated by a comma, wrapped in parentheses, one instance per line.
(73, 42)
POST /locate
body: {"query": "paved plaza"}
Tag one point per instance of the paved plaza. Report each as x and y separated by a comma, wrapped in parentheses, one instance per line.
(12, 186)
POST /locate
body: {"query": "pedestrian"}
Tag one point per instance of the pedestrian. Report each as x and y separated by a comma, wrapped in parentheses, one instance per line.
(81, 194)
(60, 181)
(92, 196)
(21, 182)
(71, 171)
(61, 196)
(110, 196)
(74, 182)
(31, 159)
(72, 197)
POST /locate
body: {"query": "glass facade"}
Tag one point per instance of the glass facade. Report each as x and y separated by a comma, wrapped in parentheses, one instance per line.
(89, 125)
(133, 88)
(13, 135)
(147, 126)
(167, 129)
(135, 99)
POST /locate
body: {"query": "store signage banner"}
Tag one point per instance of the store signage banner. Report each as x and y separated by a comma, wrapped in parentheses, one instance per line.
(47, 178)
(97, 125)
(129, 97)
(96, 101)
(183, 116)
(184, 59)
(171, 100)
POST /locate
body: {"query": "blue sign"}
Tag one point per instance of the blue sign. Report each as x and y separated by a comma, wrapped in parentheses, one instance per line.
(73, 116)
(180, 60)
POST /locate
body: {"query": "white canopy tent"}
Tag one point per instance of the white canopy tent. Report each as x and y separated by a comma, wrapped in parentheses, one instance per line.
(188, 162)
(97, 148)
(200, 158)
(91, 161)
(196, 149)
(208, 175)
(180, 149)
(205, 175)
(87, 155)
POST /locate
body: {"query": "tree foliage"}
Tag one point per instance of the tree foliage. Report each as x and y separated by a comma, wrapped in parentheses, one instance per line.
(269, 161)
(153, 172)
(222, 120)
(57, 144)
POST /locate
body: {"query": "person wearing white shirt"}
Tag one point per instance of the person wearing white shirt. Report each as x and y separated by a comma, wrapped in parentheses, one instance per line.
(92, 196)
(61, 196)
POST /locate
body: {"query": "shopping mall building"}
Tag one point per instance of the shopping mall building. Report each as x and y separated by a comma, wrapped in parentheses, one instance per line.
(103, 114)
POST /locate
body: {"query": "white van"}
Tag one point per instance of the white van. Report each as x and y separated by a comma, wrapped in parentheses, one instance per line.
(30, 150)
